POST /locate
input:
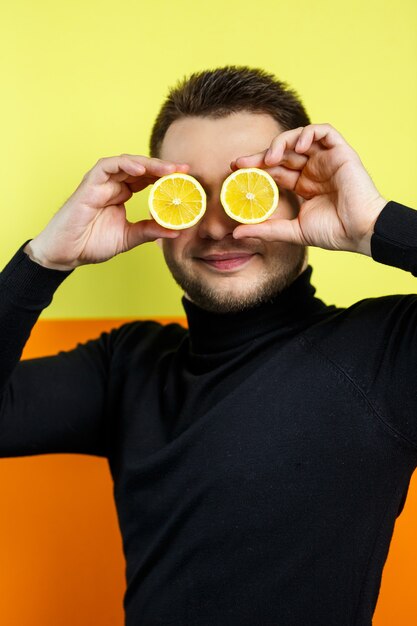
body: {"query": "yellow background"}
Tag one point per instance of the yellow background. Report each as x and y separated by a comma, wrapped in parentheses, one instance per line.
(84, 79)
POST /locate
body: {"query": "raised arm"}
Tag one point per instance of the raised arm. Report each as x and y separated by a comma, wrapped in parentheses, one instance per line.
(49, 404)
(340, 209)
(60, 403)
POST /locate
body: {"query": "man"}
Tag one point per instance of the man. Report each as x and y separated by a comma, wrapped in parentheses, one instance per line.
(259, 458)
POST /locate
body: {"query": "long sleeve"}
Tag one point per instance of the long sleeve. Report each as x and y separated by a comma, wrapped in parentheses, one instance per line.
(373, 343)
(394, 241)
(49, 404)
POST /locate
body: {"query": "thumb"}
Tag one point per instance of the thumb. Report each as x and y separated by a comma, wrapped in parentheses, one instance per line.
(273, 229)
(146, 230)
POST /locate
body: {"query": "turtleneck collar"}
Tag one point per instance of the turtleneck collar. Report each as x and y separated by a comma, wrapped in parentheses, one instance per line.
(213, 332)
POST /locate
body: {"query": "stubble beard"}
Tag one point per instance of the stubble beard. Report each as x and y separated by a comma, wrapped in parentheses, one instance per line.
(274, 278)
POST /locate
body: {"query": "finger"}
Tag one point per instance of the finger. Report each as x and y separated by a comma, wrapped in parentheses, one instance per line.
(183, 167)
(283, 142)
(293, 161)
(303, 140)
(314, 133)
(179, 167)
(141, 183)
(123, 166)
(251, 160)
(158, 167)
(273, 229)
(289, 158)
(123, 196)
(134, 184)
(284, 177)
(147, 230)
(138, 184)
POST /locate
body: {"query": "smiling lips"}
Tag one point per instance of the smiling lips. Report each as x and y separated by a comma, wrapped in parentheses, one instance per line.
(227, 260)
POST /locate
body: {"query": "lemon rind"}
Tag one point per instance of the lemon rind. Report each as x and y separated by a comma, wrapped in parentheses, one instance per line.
(186, 224)
(253, 220)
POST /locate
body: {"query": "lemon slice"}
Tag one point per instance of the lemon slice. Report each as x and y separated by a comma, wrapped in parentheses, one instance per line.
(177, 201)
(249, 195)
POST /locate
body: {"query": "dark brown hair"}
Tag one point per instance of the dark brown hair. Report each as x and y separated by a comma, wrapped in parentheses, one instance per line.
(219, 92)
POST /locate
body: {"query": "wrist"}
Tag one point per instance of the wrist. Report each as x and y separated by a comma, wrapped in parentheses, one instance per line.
(37, 257)
(364, 244)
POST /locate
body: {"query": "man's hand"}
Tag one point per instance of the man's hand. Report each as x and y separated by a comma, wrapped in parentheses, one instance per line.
(91, 227)
(339, 202)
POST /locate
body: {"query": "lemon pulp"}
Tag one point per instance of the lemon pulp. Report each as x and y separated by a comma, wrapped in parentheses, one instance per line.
(177, 201)
(249, 195)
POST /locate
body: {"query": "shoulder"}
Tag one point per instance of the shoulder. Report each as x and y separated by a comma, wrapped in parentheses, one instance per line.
(146, 335)
(367, 333)
(376, 315)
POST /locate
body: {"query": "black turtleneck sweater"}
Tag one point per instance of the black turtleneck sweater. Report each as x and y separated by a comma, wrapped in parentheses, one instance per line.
(259, 459)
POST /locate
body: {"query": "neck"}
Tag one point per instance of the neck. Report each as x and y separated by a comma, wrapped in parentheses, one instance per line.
(213, 332)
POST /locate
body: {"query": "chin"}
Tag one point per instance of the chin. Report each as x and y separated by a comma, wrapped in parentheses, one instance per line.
(230, 293)
(227, 299)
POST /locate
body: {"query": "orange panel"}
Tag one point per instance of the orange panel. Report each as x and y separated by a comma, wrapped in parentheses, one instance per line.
(49, 336)
(62, 560)
(61, 553)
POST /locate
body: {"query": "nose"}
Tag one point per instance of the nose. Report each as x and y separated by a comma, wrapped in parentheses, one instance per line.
(215, 223)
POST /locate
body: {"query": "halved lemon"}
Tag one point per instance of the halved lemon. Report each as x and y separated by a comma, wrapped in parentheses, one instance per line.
(249, 195)
(177, 201)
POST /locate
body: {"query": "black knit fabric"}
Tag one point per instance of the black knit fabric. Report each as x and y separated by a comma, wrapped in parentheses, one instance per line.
(394, 241)
(259, 459)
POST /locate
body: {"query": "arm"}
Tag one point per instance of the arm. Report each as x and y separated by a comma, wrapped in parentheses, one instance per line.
(340, 209)
(338, 201)
(394, 240)
(60, 403)
(49, 404)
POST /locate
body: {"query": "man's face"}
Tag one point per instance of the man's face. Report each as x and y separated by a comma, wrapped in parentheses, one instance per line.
(208, 146)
